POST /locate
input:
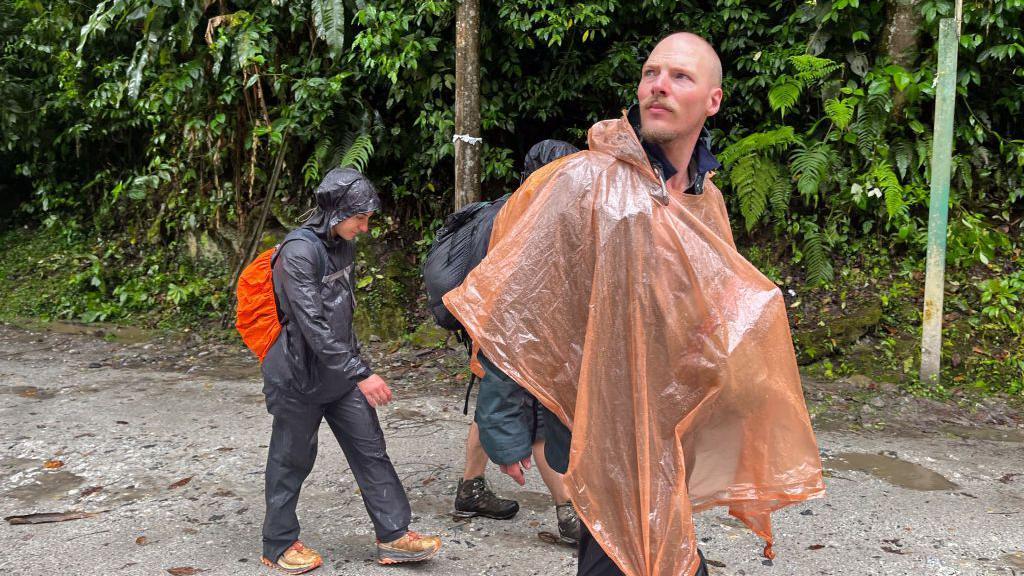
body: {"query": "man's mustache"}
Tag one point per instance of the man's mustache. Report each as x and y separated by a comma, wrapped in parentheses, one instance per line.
(654, 100)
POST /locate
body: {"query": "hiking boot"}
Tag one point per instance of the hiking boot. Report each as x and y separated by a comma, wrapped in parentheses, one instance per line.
(297, 559)
(409, 548)
(568, 523)
(475, 498)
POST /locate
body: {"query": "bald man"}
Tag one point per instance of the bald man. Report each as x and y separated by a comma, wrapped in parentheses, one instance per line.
(679, 88)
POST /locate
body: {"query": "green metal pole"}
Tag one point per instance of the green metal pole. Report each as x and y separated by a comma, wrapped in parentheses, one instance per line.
(942, 157)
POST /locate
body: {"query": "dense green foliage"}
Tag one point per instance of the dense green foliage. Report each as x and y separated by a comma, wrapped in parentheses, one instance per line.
(147, 132)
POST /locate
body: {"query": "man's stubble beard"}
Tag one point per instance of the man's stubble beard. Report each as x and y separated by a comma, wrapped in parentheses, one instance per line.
(659, 135)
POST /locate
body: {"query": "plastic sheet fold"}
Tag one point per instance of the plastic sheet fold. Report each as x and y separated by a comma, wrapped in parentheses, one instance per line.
(665, 352)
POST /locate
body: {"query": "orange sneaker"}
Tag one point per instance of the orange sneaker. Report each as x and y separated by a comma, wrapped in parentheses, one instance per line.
(409, 548)
(297, 559)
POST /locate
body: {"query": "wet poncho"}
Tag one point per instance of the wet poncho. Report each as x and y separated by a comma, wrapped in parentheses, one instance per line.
(628, 312)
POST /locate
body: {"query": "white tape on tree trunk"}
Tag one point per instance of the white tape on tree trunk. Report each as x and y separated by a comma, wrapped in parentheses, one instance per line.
(471, 140)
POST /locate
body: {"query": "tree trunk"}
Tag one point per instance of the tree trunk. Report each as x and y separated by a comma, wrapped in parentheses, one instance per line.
(902, 29)
(467, 103)
(900, 40)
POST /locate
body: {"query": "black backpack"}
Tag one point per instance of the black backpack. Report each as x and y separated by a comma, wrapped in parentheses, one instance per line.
(459, 245)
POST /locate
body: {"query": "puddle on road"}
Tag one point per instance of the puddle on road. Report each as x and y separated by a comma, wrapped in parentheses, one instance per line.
(432, 505)
(410, 419)
(206, 369)
(121, 334)
(407, 414)
(221, 369)
(12, 466)
(31, 392)
(1015, 559)
(50, 486)
(254, 398)
(980, 433)
(536, 501)
(830, 422)
(117, 495)
(47, 486)
(893, 470)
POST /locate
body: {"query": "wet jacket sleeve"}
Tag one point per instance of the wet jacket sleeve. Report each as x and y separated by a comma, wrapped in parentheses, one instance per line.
(302, 289)
(504, 416)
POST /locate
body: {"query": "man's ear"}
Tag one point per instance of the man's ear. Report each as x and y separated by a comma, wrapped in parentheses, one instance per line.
(714, 101)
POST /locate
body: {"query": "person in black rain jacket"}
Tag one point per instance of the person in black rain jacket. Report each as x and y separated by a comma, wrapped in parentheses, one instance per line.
(315, 371)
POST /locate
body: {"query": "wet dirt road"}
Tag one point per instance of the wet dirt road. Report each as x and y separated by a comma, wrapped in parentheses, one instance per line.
(165, 440)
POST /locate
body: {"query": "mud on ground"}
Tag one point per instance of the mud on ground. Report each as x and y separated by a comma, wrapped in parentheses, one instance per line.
(163, 440)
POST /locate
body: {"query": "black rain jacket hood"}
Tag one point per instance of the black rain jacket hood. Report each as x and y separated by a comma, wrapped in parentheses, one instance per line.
(343, 193)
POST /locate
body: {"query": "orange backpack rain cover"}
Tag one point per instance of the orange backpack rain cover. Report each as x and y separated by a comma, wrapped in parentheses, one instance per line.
(256, 315)
(630, 314)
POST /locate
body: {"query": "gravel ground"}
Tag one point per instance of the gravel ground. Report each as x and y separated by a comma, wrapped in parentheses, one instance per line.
(164, 441)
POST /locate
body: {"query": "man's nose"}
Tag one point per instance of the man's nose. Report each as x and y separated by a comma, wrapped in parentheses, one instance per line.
(660, 85)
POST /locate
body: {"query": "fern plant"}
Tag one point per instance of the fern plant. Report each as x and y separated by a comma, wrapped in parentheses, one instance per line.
(840, 111)
(353, 151)
(784, 94)
(888, 183)
(750, 178)
(329, 23)
(759, 142)
(357, 152)
(811, 69)
(872, 118)
(779, 194)
(902, 152)
(758, 180)
(811, 165)
(786, 91)
(816, 260)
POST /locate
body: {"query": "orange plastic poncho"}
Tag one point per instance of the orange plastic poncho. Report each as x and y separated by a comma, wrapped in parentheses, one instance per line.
(632, 317)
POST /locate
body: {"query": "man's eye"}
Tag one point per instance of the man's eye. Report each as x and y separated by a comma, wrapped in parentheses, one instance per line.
(648, 73)
(681, 76)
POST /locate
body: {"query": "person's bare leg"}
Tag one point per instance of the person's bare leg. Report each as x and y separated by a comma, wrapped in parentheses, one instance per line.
(552, 479)
(568, 521)
(476, 458)
(474, 497)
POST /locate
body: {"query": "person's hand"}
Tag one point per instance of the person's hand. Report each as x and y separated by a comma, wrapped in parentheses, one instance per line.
(515, 470)
(376, 390)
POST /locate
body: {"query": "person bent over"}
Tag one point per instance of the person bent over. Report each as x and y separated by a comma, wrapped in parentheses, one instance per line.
(510, 422)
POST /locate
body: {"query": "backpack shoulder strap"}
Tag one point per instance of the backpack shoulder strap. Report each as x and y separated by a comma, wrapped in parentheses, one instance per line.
(307, 235)
(321, 250)
(300, 234)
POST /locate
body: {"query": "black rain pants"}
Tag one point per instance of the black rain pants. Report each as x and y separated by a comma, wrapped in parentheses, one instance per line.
(293, 444)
